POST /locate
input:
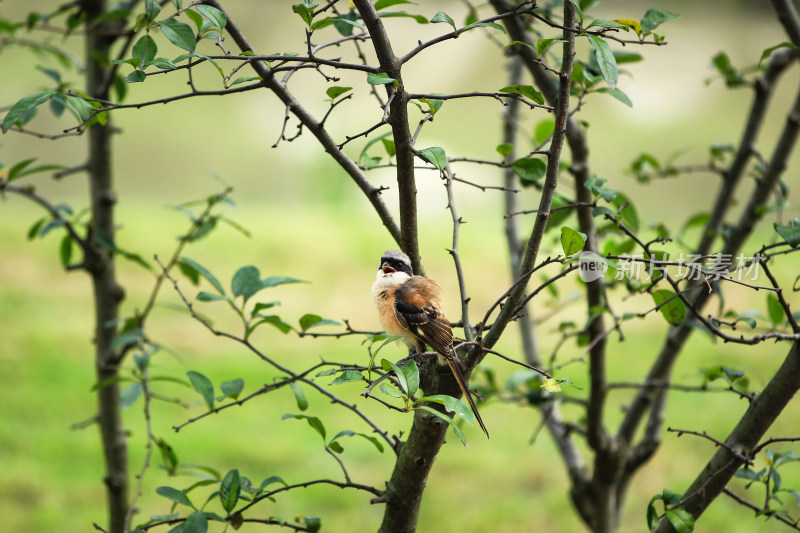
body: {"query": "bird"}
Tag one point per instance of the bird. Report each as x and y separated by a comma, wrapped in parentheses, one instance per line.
(410, 307)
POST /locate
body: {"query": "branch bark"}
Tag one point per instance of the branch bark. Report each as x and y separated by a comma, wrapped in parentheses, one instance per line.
(401, 132)
(99, 263)
(743, 439)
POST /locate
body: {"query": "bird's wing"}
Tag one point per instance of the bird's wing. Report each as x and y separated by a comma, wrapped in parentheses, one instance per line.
(417, 309)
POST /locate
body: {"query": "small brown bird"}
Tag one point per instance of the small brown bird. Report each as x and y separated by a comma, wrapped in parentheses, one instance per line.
(410, 307)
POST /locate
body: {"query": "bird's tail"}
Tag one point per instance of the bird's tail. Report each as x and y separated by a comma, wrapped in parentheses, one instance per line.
(457, 373)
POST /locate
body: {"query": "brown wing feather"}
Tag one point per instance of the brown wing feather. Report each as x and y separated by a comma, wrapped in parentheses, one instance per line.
(418, 307)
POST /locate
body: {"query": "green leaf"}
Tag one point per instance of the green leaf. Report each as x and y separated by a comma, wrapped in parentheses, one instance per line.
(419, 18)
(722, 63)
(630, 216)
(544, 130)
(411, 374)
(654, 17)
(389, 146)
(170, 460)
(313, 421)
(447, 419)
(127, 339)
(260, 306)
(213, 14)
(145, 51)
(312, 523)
(306, 11)
(273, 320)
(137, 76)
(348, 376)
(151, 10)
(336, 91)
(21, 169)
(274, 281)
(595, 185)
(730, 374)
(269, 481)
(391, 390)
(205, 296)
(607, 24)
(618, 94)
(435, 156)
(199, 269)
(348, 433)
(674, 310)
(83, 109)
(505, 149)
(527, 91)
(299, 395)
(572, 241)
(544, 44)
(775, 309)
(605, 60)
(233, 388)
(382, 4)
(529, 170)
(441, 16)
(164, 63)
(309, 320)
(244, 79)
(229, 491)
(482, 24)
(790, 234)
(551, 385)
(401, 377)
(197, 522)
(452, 405)
(768, 52)
(246, 282)
(130, 394)
(179, 33)
(65, 251)
(177, 496)
(203, 385)
(380, 79)
(21, 111)
(681, 520)
(434, 104)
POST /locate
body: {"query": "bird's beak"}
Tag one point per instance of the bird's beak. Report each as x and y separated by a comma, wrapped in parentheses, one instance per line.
(387, 269)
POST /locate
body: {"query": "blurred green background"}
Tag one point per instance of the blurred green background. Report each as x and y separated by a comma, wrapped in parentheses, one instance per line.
(308, 221)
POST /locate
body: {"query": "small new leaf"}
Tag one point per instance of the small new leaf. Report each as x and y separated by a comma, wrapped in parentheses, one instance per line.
(790, 234)
(572, 241)
(336, 91)
(299, 395)
(313, 421)
(527, 91)
(435, 156)
(202, 385)
(775, 309)
(177, 496)
(380, 79)
(654, 17)
(674, 310)
(441, 16)
(233, 388)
